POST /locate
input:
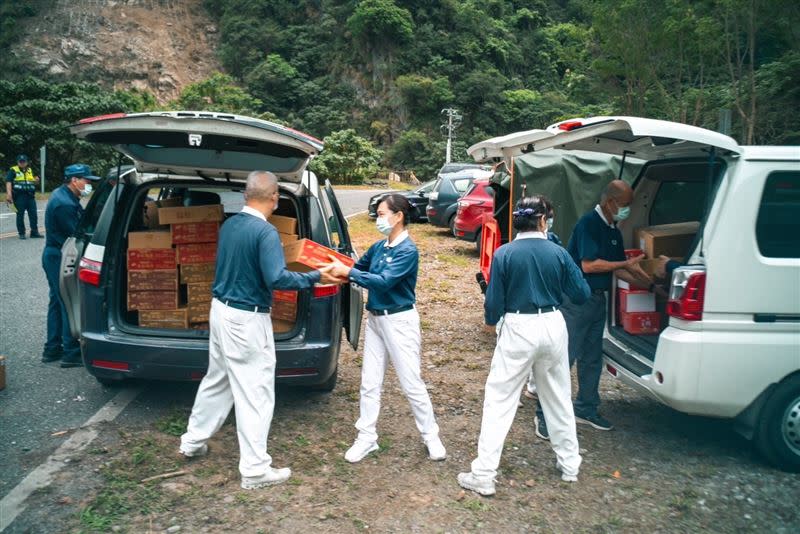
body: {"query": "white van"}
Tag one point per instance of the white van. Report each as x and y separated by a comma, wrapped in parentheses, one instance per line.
(731, 348)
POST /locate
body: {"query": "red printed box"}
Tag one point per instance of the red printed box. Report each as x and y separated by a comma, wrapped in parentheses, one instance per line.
(199, 311)
(636, 300)
(284, 305)
(152, 300)
(155, 280)
(147, 259)
(164, 318)
(198, 232)
(641, 323)
(193, 273)
(305, 255)
(199, 292)
(197, 253)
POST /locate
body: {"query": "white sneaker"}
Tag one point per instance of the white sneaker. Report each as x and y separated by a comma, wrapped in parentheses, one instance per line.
(200, 451)
(481, 486)
(436, 451)
(565, 477)
(270, 478)
(360, 450)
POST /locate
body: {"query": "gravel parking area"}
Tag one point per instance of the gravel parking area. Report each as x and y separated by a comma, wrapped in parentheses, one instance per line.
(658, 471)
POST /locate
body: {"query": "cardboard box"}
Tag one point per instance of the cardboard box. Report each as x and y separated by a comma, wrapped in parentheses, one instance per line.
(152, 300)
(636, 300)
(641, 323)
(280, 326)
(151, 207)
(192, 273)
(622, 284)
(284, 225)
(164, 318)
(305, 255)
(199, 232)
(284, 305)
(199, 292)
(199, 326)
(671, 240)
(197, 253)
(137, 240)
(155, 280)
(198, 311)
(287, 239)
(147, 259)
(212, 212)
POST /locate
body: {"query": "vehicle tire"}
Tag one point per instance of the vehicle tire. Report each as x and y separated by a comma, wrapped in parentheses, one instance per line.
(452, 224)
(778, 437)
(478, 241)
(330, 383)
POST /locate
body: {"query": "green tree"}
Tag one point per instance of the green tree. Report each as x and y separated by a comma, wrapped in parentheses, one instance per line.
(347, 158)
(381, 23)
(424, 97)
(218, 93)
(275, 82)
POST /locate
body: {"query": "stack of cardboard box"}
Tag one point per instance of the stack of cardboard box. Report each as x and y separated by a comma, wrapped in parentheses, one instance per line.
(640, 311)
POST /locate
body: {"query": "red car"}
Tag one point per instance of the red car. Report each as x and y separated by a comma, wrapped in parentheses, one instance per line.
(475, 203)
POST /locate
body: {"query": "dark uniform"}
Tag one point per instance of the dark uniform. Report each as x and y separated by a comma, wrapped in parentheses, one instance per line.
(23, 186)
(61, 218)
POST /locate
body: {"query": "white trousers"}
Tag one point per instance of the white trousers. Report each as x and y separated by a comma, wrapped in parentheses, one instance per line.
(393, 337)
(241, 373)
(525, 341)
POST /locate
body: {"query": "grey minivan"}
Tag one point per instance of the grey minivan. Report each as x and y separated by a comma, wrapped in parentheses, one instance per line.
(202, 158)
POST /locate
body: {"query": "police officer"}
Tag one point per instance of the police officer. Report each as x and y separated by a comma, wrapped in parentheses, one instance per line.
(389, 271)
(60, 220)
(241, 366)
(596, 247)
(528, 277)
(21, 191)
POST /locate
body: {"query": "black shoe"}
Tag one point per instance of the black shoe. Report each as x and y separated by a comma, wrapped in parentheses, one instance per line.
(69, 362)
(596, 421)
(21, 236)
(541, 428)
(37, 235)
(52, 355)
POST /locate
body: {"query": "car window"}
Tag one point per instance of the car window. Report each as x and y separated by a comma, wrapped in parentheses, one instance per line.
(462, 184)
(777, 226)
(333, 225)
(427, 188)
(94, 208)
(438, 185)
(679, 202)
(471, 190)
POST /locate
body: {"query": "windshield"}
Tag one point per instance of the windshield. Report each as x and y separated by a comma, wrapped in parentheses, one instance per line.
(457, 167)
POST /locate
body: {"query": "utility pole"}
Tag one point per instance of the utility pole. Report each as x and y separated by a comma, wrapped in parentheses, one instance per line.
(449, 129)
(42, 161)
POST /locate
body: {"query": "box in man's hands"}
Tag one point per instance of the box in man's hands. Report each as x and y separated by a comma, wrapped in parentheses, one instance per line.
(305, 255)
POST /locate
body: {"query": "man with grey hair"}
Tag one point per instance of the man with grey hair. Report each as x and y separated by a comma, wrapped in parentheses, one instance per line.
(596, 247)
(241, 366)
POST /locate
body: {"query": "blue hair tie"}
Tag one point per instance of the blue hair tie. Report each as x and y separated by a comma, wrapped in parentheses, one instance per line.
(527, 212)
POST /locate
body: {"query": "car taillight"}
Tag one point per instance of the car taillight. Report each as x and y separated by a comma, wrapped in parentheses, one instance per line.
(98, 118)
(89, 271)
(320, 292)
(687, 294)
(568, 126)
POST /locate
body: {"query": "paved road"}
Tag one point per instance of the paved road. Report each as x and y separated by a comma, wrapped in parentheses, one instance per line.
(8, 218)
(42, 399)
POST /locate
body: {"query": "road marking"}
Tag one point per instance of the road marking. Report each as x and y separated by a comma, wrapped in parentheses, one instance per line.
(7, 215)
(14, 234)
(13, 503)
(354, 214)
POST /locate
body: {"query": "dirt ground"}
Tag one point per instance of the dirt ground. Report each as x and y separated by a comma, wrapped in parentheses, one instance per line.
(658, 471)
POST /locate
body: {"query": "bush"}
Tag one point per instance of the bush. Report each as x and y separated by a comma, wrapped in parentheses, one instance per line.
(347, 158)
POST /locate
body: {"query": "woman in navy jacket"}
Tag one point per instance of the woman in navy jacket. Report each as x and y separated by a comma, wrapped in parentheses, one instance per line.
(388, 270)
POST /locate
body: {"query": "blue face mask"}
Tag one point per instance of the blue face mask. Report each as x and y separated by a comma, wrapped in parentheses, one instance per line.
(383, 225)
(622, 213)
(87, 190)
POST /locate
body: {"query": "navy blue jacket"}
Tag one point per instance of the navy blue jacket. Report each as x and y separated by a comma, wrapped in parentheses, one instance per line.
(530, 273)
(250, 263)
(593, 239)
(389, 273)
(61, 216)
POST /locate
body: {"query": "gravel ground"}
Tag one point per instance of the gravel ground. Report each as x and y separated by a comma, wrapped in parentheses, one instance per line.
(659, 471)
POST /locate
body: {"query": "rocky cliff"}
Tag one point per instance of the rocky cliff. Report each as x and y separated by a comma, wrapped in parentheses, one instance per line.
(157, 45)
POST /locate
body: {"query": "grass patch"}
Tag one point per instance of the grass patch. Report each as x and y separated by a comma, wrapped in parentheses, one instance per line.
(173, 424)
(455, 259)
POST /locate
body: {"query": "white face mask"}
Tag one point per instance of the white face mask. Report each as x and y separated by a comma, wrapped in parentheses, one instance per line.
(549, 224)
(384, 226)
(87, 190)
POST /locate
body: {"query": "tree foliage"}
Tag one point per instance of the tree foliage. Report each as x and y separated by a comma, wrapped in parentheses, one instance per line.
(347, 158)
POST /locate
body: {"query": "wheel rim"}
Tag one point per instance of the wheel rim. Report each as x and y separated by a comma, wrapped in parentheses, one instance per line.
(790, 425)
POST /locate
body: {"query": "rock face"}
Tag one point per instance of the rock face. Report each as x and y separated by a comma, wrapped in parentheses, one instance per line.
(157, 45)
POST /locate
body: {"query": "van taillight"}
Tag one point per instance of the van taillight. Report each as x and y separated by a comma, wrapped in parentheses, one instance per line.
(687, 294)
(89, 271)
(320, 292)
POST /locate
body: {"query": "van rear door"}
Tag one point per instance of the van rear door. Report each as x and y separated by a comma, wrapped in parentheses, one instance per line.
(352, 300)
